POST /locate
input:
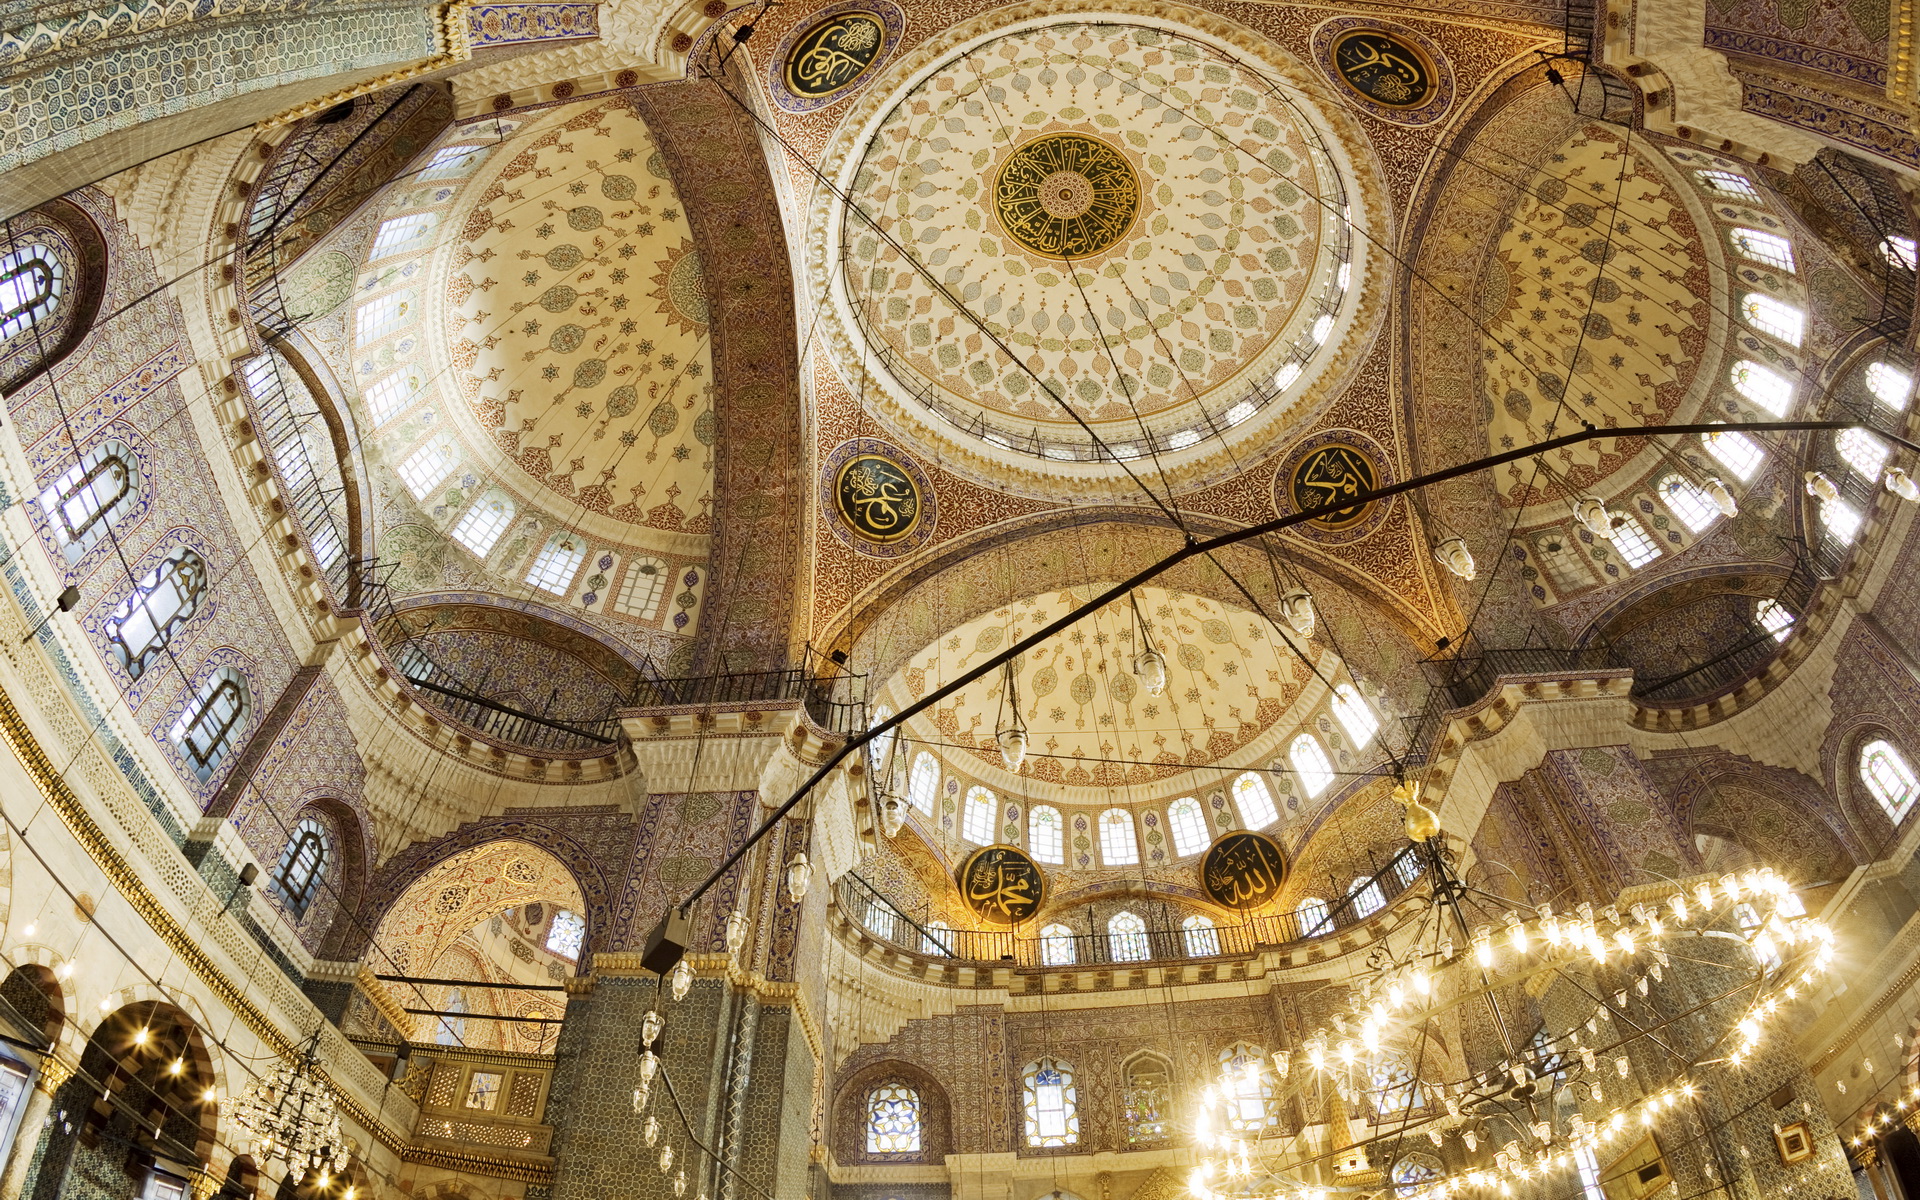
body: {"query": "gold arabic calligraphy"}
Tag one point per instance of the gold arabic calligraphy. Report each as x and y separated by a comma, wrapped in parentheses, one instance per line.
(1382, 68)
(1329, 475)
(835, 53)
(1242, 870)
(1066, 195)
(1001, 884)
(878, 499)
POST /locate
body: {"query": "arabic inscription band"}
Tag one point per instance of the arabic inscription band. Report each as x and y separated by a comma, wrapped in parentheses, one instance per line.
(1383, 68)
(834, 54)
(1066, 195)
(1001, 885)
(1242, 870)
(1327, 475)
(877, 498)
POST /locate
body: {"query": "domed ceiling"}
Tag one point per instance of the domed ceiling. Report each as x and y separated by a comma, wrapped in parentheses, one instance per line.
(1147, 226)
(1229, 679)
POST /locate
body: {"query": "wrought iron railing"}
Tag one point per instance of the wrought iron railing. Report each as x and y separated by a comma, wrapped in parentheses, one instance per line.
(1158, 941)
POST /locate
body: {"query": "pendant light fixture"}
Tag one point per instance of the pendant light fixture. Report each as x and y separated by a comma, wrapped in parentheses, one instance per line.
(1297, 607)
(1148, 664)
(1901, 484)
(1012, 732)
(1452, 553)
(799, 876)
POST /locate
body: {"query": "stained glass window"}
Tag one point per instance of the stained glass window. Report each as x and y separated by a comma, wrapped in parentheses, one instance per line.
(1310, 763)
(1056, 946)
(1727, 182)
(1367, 899)
(483, 1088)
(1046, 839)
(936, 938)
(1189, 826)
(146, 621)
(1771, 249)
(1254, 801)
(1148, 1099)
(923, 782)
(1412, 1174)
(452, 1029)
(1117, 845)
(1391, 1084)
(1248, 1090)
(297, 877)
(1689, 502)
(893, 1120)
(1902, 252)
(1127, 938)
(427, 468)
(1775, 318)
(1736, 451)
(1888, 777)
(566, 933)
(1051, 1104)
(1203, 940)
(557, 563)
(1633, 542)
(1313, 916)
(1767, 388)
(976, 823)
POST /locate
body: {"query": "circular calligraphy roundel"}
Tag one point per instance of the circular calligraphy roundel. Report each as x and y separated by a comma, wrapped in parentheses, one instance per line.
(1384, 68)
(1242, 870)
(1331, 473)
(1001, 885)
(828, 58)
(881, 500)
(1066, 195)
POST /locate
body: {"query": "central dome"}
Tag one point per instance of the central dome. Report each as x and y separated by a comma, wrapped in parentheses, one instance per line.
(1147, 227)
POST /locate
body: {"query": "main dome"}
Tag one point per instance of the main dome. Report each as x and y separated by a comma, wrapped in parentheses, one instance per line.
(1148, 227)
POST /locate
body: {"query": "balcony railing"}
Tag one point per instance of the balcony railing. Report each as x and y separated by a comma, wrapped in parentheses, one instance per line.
(873, 911)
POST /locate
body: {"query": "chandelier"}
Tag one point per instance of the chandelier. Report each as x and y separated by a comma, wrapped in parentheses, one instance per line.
(291, 1116)
(1601, 1071)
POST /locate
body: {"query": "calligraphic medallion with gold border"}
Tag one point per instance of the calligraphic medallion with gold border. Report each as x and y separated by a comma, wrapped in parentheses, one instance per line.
(1066, 195)
(1242, 870)
(829, 57)
(1001, 885)
(1325, 469)
(876, 498)
(1392, 71)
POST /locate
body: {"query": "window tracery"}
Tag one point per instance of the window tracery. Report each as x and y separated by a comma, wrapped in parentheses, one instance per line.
(161, 603)
(1367, 897)
(1313, 915)
(893, 1119)
(1117, 845)
(90, 496)
(1046, 837)
(1888, 777)
(33, 281)
(1188, 825)
(1148, 1099)
(302, 864)
(565, 935)
(1689, 502)
(1311, 764)
(1201, 937)
(1356, 716)
(923, 782)
(1127, 938)
(1775, 318)
(1051, 1104)
(480, 527)
(1255, 802)
(1057, 946)
(207, 730)
(557, 563)
(1243, 1077)
(1762, 247)
(642, 587)
(1764, 386)
(976, 823)
(1736, 451)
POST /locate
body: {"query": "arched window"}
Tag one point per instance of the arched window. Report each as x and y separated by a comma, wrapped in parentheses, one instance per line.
(1888, 777)
(1890, 385)
(936, 938)
(1313, 915)
(1051, 1105)
(1117, 845)
(302, 863)
(1203, 940)
(1412, 1174)
(145, 622)
(893, 1120)
(1391, 1084)
(1367, 899)
(452, 1030)
(557, 563)
(878, 748)
(1248, 1091)
(1355, 716)
(32, 281)
(641, 588)
(379, 317)
(1310, 763)
(1689, 502)
(1901, 252)
(976, 823)
(564, 936)
(1189, 826)
(1775, 318)
(1255, 802)
(427, 468)
(1864, 452)
(405, 232)
(480, 527)
(450, 161)
(1046, 839)
(1841, 519)
(1736, 451)
(1775, 618)
(211, 724)
(388, 395)
(1127, 938)
(90, 496)
(1149, 1099)
(923, 782)
(1728, 183)
(1056, 946)
(1768, 248)
(1767, 388)
(1633, 542)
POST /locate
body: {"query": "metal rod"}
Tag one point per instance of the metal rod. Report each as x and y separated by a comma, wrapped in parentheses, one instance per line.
(1194, 548)
(474, 983)
(474, 1016)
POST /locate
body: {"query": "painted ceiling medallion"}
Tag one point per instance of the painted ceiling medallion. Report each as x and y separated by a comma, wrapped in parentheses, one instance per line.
(1324, 470)
(827, 59)
(880, 497)
(1066, 195)
(1382, 67)
(1242, 870)
(1001, 885)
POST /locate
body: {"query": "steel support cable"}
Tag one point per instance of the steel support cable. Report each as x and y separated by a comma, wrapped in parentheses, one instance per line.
(1195, 548)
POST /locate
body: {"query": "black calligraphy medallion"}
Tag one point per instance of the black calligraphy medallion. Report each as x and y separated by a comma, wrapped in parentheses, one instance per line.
(877, 498)
(1384, 68)
(1000, 884)
(1242, 870)
(1332, 473)
(1066, 195)
(833, 55)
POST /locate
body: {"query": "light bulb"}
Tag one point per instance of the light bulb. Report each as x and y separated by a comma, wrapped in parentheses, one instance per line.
(651, 1131)
(893, 816)
(1151, 667)
(176, 1066)
(1901, 484)
(737, 926)
(1454, 556)
(1297, 607)
(1821, 487)
(140, 1036)
(799, 876)
(650, 1027)
(1517, 933)
(28, 931)
(682, 979)
(1483, 946)
(1013, 746)
(1591, 512)
(1717, 492)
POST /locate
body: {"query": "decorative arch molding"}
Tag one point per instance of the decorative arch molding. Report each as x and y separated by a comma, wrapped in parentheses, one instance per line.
(64, 223)
(1692, 780)
(1841, 760)
(344, 874)
(352, 934)
(35, 957)
(158, 995)
(760, 486)
(849, 1120)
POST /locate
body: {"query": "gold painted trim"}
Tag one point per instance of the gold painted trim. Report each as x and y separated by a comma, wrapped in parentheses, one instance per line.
(377, 993)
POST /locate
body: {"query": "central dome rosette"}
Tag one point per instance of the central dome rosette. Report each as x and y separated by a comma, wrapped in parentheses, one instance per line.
(1151, 226)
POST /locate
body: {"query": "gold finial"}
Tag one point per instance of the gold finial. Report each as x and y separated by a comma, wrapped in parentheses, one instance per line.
(1422, 822)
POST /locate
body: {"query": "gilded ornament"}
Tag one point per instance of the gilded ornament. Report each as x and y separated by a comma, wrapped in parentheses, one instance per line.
(1066, 195)
(1330, 474)
(1002, 885)
(1384, 68)
(877, 498)
(1242, 870)
(833, 55)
